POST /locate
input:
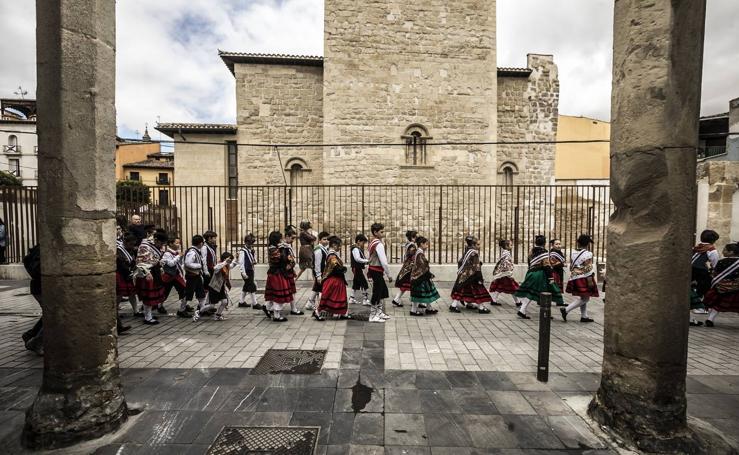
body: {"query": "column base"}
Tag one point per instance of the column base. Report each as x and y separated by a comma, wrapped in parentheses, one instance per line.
(693, 437)
(61, 419)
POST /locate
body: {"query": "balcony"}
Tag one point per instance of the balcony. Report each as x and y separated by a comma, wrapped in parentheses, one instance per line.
(12, 148)
(15, 172)
(711, 150)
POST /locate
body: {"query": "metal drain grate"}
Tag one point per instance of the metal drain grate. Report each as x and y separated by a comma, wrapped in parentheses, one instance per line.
(265, 440)
(290, 361)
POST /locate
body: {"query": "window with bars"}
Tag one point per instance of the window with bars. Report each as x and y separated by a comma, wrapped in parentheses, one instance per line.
(232, 162)
(416, 137)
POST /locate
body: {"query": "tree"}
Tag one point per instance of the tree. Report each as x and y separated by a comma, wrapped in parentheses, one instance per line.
(8, 179)
(132, 193)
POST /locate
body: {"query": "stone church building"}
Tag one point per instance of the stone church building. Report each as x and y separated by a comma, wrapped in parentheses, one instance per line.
(395, 80)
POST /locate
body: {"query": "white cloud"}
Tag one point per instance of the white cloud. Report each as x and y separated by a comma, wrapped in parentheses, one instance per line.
(168, 66)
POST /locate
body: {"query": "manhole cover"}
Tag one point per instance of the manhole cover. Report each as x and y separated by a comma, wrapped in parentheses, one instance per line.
(265, 440)
(290, 361)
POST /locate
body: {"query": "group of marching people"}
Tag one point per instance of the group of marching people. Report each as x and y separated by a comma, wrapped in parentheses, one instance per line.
(714, 281)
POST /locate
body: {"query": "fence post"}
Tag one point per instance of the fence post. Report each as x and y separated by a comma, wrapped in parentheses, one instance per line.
(545, 317)
(440, 246)
(363, 228)
(515, 230)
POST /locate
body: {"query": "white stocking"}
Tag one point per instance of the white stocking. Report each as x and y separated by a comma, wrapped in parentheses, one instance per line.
(712, 315)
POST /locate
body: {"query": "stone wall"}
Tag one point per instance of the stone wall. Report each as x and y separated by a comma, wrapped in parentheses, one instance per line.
(280, 104)
(391, 64)
(528, 111)
(718, 199)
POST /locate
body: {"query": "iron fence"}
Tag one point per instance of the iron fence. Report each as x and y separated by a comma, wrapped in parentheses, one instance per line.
(443, 213)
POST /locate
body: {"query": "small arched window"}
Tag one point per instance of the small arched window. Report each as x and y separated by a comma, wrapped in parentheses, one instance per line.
(12, 140)
(506, 173)
(416, 137)
(296, 174)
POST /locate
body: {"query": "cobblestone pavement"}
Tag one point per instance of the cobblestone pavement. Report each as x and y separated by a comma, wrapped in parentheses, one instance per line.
(446, 342)
(459, 384)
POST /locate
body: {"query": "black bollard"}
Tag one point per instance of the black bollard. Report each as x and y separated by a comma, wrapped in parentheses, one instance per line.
(545, 317)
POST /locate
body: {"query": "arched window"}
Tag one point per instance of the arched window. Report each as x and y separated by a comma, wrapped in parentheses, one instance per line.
(506, 173)
(296, 168)
(12, 140)
(415, 137)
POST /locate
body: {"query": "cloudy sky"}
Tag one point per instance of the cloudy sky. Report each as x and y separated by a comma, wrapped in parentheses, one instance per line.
(168, 66)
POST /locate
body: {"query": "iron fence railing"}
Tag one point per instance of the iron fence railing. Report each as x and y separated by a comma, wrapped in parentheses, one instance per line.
(443, 213)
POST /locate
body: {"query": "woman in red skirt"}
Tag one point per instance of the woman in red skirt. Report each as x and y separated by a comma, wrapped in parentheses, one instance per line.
(333, 285)
(149, 285)
(403, 280)
(503, 281)
(557, 261)
(287, 245)
(469, 288)
(125, 265)
(277, 290)
(582, 282)
(724, 293)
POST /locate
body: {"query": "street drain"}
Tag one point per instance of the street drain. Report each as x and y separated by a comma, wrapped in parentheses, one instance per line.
(290, 361)
(265, 440)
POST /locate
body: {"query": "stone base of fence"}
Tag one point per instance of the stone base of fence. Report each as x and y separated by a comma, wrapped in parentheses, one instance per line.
(13, 272)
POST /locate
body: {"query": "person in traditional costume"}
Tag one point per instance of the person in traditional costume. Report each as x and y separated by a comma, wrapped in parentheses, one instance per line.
(358, 263)
(724, 293)
(320, 254)
(195, 269)
(287, 245)
(173, 275)
(333, 294)
(125, 261)
(423, 291)
(219, 286)
(403, 281)
(277, 291)
(503, 281)
(538, 278)
(582, 282)
(378, 271)
(704, 260)
(210, 256)
(246, 262)
(557, 261)
(469, 288)
(307, 244)
(149, 285)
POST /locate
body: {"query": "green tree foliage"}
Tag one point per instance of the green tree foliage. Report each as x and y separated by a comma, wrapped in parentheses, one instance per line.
(8, 179)
(131, 193)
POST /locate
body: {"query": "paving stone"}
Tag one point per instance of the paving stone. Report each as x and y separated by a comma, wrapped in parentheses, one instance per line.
(474, 401)
(245, 400)
(403, 401)
(446, 430)
(463, 379)
(398, 379)
(714, 406)
(313, 419)
(721, 384)
(167, 427)
(342, 426)
(510, 402)
(315, 400)
(433, 401)
(574, 432)
(407, 450)
(490, 432)
(405, 430)
(369, 429)
(208, 398)
(435, 380)
(532, 432)
(495, 380)
(343, 401)
(547, 403)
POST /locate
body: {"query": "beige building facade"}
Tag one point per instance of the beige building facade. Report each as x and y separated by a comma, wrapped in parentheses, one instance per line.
(394, 83)
(582, 163)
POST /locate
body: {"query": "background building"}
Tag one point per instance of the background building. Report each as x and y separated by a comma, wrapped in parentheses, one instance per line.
(583, 163)
(18, 140)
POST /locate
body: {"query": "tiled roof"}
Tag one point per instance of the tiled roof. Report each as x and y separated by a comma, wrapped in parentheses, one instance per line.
(170, 129)
(231, 58)
(513, 72)
(714, 116)
(157, 164)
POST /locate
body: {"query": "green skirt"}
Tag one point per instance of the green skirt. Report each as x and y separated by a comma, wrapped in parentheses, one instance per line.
(535, 283)
(696, 302)
(424, 291)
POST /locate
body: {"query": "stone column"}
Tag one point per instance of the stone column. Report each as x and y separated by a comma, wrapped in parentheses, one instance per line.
(657, 61)
(81, 395)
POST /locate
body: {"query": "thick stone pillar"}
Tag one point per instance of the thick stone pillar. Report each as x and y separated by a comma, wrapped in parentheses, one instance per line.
(81, 395)
(657, 61)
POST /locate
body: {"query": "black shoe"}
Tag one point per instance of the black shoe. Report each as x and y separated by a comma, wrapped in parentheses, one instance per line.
(416, 313)
(586, 320)
(518, 304)
(296, 312)
(258, 306)
(521, 315)
(267, 312)
(494, 303)
(152, 322)
(123, 329)
(431, 311)
(26, 336)
(161, 309)
(244, 305)
(696, 323)
(484, 310)
(397, 304)
(564, 314)
(140, 314)
(709, 323)
(422, 305)
(189, 309)
(318, 317)
(343, 317)
(280, 319)
(184, 314)
(454, 309)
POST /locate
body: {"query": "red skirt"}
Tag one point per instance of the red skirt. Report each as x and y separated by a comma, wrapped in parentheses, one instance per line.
(404, 283)
(505, 285)
(333, 296)
(583, 287)
(151, 293)
(291, 281)
(167, 278)
(471, 292)
(724, 303)
(278, 288)
(124, 287)
(558, 278)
